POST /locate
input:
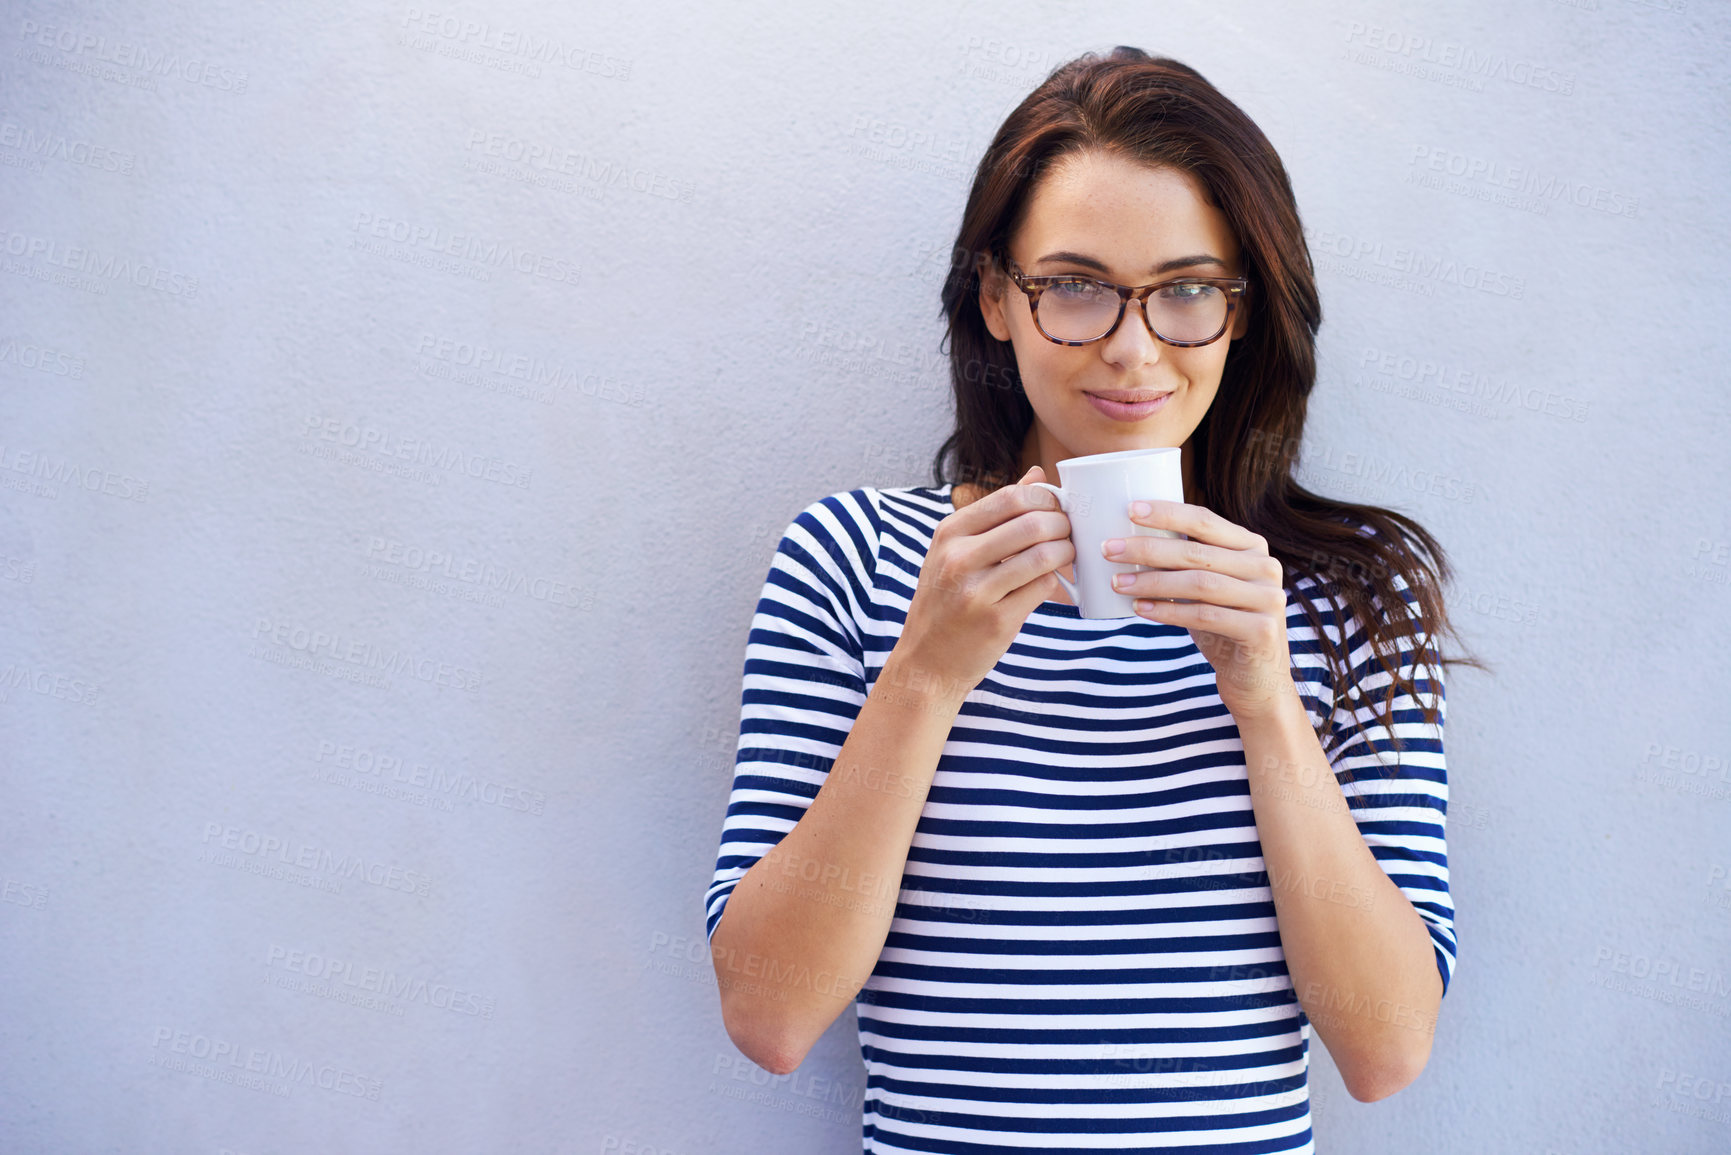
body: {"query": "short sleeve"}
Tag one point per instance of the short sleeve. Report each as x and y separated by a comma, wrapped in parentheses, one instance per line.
(1398, 790)
(804, 681)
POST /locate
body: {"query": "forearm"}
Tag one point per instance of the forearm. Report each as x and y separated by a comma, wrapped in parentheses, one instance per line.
(1360, 959)
(805, 926)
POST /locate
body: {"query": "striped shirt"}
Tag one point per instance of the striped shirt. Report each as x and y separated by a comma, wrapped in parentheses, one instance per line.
(1084, 955)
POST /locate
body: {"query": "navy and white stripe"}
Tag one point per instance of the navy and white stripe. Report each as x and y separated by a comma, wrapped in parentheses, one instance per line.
(1084, 955)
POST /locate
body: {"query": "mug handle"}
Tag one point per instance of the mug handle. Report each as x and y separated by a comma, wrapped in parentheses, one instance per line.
(1064, 504)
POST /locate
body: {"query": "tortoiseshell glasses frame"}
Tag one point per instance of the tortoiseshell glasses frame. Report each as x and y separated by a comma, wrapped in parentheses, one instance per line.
(1233, 287)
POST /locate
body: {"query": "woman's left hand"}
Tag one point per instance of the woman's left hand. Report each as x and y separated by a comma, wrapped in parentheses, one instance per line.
(1237, 612)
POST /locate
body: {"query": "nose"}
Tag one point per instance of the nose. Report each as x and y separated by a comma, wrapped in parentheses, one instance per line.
(1133, 342)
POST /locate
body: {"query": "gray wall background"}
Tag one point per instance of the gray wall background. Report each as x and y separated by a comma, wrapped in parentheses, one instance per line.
(399, 409)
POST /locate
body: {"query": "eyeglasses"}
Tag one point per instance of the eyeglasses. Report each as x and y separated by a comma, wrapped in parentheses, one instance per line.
(1074, 310)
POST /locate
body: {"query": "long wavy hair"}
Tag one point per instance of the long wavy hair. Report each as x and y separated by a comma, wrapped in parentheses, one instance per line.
(1160, 112)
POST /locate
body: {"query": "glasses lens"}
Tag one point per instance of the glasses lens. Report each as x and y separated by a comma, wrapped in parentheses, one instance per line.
(1077, 310)
(1187, 312)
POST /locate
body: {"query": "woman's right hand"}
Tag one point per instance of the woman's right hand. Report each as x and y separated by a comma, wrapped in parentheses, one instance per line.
(991, 563)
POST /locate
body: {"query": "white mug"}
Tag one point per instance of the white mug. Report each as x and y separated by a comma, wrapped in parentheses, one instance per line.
(1096, 492)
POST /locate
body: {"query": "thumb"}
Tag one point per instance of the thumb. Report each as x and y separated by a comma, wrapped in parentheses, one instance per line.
(1035, 473)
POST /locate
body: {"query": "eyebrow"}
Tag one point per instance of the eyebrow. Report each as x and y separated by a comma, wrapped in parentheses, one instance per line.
(1164, 267)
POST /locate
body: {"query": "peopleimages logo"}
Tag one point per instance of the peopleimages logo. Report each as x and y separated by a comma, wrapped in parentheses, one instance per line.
(307, 856)
(553, 158)
(334, 973)
(1429, 377)
(1425, 269)
(210, 1055)
(455, 785)
(92, 262)
(46, 145)
(52, 685)
(38, 464)
(78, 42)
(464, 246)
(513, 42)
(1463, 60)
(50, 361)
(446, 355)
(371, 443)
(317, 643)
(1525, 180)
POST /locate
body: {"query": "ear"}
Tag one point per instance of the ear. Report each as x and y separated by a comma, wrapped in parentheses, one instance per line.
(992, 297)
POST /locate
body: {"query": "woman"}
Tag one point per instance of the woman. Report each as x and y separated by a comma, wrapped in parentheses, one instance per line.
(1094, 881)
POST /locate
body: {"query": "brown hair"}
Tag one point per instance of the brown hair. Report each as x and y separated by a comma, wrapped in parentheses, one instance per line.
(1158, 111)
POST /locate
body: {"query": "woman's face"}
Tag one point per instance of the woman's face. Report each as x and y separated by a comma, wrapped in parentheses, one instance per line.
(1098, 214)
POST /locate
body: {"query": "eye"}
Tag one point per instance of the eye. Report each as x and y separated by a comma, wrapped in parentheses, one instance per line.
(1188, 293)
(1078, 290)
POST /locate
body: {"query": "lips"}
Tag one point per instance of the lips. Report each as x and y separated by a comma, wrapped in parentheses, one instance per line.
(1127, 406)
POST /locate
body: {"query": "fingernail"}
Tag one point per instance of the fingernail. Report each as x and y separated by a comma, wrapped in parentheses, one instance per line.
(1114, 546)
(1140, 509)
(1120, 581)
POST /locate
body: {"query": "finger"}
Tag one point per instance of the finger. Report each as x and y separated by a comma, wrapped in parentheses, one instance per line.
(1204, 586)
(1015, 535)
(1022, 520)
(1169, 553)
(1198, 522)
(1243, 626)
(1001, 505)
(972, 562)
(1010, 576)
(1024, 599)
